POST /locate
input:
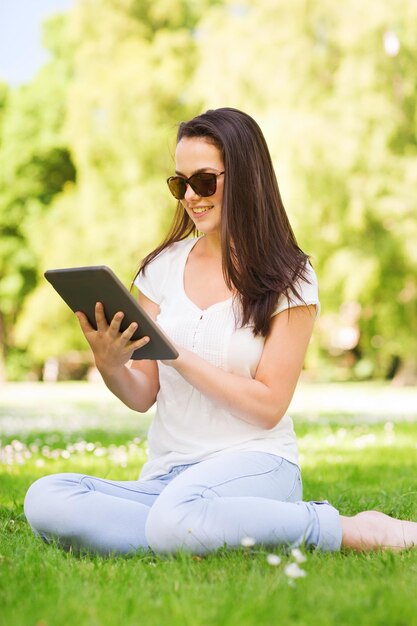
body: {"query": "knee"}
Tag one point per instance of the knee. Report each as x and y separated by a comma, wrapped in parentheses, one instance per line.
(161, 529)
(167, 527)
(42, 503)
(34, 503)
(175, 526)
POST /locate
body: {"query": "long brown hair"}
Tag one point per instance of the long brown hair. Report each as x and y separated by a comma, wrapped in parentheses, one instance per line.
(260, 256)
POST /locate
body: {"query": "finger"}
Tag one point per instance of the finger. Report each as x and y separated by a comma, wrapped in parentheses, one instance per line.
(84, 323)
(139, 343)
(129, 332)
(101, 321)
(114, 328)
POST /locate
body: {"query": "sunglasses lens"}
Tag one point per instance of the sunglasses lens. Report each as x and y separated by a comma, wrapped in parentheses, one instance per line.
(204, 184)
(177, 186)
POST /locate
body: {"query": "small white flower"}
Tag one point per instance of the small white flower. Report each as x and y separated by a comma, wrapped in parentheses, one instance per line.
(273, 559)
(100, 451)
(293, 570)
(247, 542)
(298, 555)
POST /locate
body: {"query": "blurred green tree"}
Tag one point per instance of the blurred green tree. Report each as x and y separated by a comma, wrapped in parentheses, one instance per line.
(86, 146)
(35, 166)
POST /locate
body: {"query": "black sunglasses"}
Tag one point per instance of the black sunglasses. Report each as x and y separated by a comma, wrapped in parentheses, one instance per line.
(204, 184)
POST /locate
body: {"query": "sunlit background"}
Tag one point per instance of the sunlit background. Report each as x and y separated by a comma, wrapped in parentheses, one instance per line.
(21, 50)
(87, 132)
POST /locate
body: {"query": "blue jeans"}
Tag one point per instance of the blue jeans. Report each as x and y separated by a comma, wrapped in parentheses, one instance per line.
(196, 508)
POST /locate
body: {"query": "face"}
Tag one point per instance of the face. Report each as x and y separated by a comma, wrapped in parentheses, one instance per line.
(196, 154)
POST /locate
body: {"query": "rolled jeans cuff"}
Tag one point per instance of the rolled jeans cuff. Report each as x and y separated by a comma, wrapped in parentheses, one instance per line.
(330, 527)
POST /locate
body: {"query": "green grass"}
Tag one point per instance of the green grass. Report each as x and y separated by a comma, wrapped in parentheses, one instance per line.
(354, 460)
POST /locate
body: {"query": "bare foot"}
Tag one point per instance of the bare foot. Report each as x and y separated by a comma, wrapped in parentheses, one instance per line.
(372, 530)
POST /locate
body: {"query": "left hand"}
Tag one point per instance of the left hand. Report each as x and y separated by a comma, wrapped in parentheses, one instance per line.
(112, 348)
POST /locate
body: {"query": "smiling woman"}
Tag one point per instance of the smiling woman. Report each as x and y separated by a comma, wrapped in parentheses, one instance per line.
(239, 301)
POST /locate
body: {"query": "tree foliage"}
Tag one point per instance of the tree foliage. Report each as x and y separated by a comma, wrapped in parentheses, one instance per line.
(86, 145)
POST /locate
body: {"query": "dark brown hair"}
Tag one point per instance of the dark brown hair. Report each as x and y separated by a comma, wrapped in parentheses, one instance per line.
(261, 258)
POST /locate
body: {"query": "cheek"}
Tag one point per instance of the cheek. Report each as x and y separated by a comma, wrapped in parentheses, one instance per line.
(219, 197)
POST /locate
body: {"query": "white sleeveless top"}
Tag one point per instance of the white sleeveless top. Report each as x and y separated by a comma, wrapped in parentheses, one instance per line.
(188, 427)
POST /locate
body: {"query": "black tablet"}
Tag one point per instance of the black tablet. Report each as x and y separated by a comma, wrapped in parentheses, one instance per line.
(82, 287)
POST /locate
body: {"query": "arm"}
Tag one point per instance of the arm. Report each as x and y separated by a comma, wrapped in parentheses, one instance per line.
(137, 385)
(263, 400)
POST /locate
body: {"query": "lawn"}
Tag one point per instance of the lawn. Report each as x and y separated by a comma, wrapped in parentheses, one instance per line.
(358, 450)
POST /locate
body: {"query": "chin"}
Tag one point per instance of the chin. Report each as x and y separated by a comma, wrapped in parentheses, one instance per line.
(206, 229)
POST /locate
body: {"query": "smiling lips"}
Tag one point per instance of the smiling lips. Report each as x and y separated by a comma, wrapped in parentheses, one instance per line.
(199, 210)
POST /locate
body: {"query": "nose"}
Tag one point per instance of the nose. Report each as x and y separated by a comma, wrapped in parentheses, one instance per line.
(190, 194)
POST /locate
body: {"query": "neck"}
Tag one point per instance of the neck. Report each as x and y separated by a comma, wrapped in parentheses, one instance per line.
(212, 245)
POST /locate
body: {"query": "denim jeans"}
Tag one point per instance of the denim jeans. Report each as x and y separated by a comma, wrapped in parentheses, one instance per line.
(197, 508)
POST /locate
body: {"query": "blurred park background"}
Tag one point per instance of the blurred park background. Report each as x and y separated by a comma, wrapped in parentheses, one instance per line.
(87, 143)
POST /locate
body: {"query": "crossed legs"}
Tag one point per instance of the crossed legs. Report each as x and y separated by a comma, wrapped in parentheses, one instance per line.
(201, 507)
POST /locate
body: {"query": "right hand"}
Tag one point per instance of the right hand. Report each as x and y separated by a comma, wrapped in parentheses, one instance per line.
(111, 348)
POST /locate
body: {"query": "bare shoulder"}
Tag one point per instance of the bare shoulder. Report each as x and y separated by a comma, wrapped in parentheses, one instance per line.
(151, 308)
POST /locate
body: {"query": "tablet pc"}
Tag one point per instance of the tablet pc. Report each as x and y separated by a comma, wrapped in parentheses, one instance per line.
(82, 287)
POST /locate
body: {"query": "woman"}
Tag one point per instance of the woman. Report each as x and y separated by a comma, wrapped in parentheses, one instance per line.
(240, 302)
